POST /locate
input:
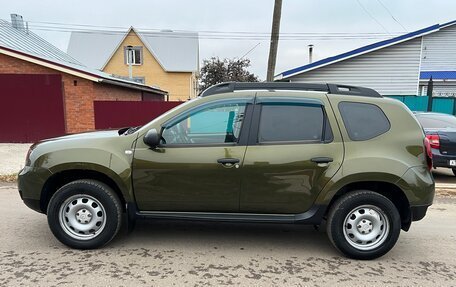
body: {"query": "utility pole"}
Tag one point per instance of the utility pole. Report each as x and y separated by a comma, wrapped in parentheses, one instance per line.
(274, 40)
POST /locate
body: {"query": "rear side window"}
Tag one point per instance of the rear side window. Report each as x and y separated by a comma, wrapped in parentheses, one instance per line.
(363, 121)
(289, 123)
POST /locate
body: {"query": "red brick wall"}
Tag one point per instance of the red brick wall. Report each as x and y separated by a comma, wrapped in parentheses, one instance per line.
(78, 93)
(105, 92)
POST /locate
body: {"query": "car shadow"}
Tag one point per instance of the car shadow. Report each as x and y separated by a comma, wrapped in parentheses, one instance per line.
(224, 235)
(444, 175)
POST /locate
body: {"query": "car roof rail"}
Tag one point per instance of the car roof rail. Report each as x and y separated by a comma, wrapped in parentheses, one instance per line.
(352, 91)
(328, 88)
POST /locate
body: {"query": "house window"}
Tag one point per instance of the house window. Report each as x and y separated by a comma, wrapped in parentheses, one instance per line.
(137, 57)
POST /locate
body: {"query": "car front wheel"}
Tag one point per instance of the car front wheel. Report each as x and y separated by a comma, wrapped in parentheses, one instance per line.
(84, 214)
(363, 224)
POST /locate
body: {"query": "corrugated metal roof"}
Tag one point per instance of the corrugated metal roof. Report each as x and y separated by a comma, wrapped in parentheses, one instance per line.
(28, 43)
(438, 75)
(175, 51)
(363, 50)
(91, 48)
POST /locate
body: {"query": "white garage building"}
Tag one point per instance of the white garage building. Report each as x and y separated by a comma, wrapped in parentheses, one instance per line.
(397, 66)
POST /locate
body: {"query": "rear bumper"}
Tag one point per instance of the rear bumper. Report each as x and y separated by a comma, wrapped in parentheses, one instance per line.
(442, 160)
(418, 186)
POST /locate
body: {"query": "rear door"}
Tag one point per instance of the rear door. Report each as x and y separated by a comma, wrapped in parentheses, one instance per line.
(294, 149)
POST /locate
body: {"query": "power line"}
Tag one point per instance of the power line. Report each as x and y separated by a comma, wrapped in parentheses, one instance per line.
(238, 37)
(56, 24)
(391, 14)
(248, 52)
(206, 35)
(370, 15)
(250, 38)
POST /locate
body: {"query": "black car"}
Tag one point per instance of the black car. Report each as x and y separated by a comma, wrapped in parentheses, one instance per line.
(440, 130)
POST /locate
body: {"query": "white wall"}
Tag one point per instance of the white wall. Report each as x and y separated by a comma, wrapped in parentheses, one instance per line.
(439, 50)
(392, 70)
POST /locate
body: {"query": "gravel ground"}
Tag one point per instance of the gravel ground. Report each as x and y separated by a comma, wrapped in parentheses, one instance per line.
(12, 157)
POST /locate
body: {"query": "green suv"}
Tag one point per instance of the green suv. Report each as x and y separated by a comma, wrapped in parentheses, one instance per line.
(328, 155)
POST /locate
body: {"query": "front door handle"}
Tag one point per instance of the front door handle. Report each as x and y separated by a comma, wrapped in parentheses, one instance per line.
(322, 159)
(228, 162)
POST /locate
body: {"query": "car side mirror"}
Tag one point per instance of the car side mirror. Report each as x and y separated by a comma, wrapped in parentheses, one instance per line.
(152, 138)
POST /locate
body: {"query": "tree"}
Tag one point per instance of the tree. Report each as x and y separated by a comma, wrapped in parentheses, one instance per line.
(215, 71)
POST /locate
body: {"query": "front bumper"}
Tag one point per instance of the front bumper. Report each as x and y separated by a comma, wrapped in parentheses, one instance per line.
(30, 184)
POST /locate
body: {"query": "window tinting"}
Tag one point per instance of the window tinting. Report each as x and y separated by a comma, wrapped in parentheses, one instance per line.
(291, 123)
(363, 121)
(437, 121)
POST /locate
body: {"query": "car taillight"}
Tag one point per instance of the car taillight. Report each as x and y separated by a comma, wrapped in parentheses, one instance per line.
(427, 148)
(434, 141)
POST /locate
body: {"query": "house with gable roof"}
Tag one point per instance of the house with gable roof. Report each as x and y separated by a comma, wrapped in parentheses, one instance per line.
(401, 65)
(47, 93)
(168, 60)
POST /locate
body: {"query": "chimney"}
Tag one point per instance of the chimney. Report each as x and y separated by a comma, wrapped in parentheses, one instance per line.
(17, 22)
(310, 53)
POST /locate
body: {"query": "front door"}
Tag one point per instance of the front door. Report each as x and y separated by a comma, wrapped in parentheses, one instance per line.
(197, 166)
(294, 150)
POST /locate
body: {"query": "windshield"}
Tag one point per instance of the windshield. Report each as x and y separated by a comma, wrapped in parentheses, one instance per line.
(437, 121)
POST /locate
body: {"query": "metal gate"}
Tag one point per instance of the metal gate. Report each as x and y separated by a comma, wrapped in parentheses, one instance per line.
(31, 107)
(118, 114)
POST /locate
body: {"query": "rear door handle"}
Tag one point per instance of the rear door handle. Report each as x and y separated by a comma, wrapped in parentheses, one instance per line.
(229, 162)
(322, 159)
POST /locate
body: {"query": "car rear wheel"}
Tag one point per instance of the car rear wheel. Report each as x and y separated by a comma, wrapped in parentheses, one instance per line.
(363, 224)
(84, 214)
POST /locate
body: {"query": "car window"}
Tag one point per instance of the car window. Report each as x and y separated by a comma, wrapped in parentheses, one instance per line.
(363, 121)
(213, 125)
(437, 121)
(285, 123)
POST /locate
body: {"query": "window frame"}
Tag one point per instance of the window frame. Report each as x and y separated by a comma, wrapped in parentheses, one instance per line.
(244, 130)
(135, 49)
(282, 101)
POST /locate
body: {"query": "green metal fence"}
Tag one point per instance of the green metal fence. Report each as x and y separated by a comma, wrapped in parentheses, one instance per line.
(420, 103)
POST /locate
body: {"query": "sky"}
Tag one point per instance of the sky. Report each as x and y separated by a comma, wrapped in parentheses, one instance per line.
(366, 21)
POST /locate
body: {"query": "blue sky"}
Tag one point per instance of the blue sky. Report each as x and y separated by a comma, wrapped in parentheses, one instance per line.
(298, 16)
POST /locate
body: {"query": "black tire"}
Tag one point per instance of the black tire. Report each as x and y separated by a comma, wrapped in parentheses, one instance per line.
(79, 199)
(382, 214)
